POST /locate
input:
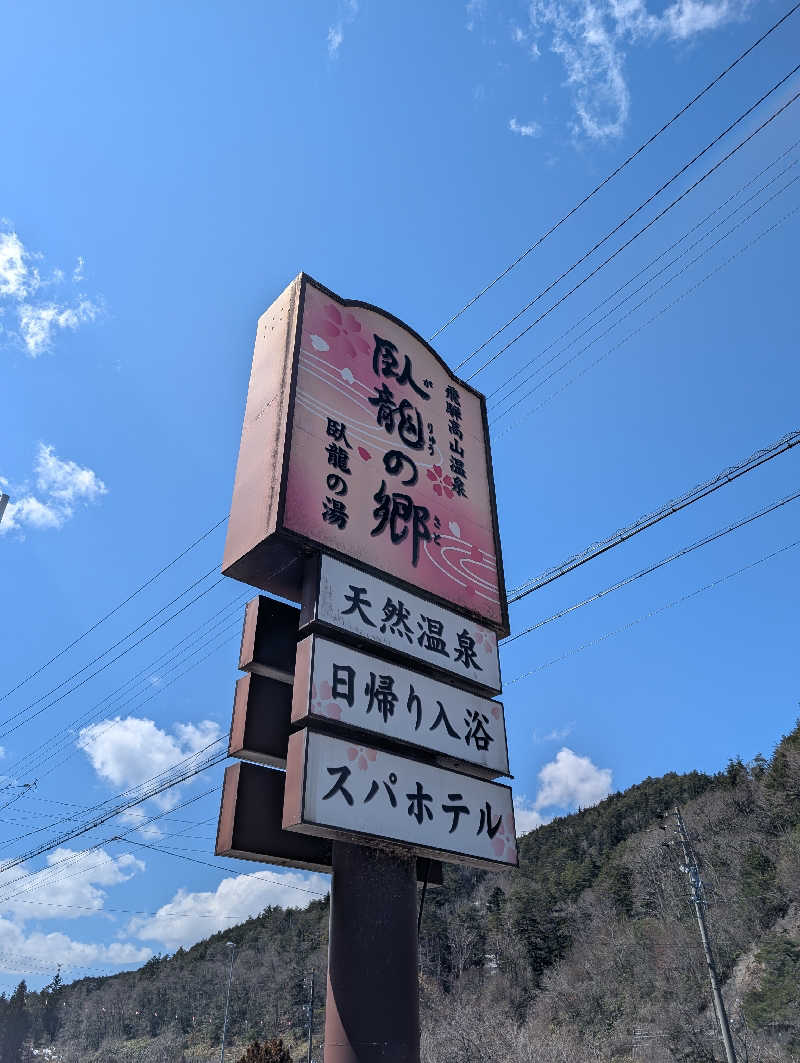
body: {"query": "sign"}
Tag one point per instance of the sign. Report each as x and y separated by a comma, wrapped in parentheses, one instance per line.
(249, 826)
(359, 441)
(339, 684)
(335, 789)
(351, 600)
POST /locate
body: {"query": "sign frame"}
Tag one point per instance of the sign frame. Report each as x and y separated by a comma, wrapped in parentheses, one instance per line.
(313, 619)
(294, 809)
(304, 712)
(260, 549)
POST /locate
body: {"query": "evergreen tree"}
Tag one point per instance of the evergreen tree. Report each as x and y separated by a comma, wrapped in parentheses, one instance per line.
(16, 1026)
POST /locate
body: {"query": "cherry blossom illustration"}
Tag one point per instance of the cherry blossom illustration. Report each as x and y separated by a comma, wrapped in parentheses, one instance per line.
(441, 484)
(321, 703)
(339, 330)
(484, 642)
(504, 844)
(361, 755)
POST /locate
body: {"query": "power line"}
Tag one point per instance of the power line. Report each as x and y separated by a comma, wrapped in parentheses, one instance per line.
(700, 491)
(640, 328)
(108, 814)
(37, 757)
(80, 671)
(632, 310)
(216, 867)
(54, 871)
(657, 217)
(116, 609)
(713, 537)
(653, 612)
(652, 262)
(615, 172)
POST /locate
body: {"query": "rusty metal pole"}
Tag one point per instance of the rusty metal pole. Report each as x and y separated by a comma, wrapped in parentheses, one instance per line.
(372, 1010)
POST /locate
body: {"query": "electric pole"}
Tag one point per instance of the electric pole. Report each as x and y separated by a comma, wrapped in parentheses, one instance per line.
(230, 945)
(697, 894)
(310, 1006)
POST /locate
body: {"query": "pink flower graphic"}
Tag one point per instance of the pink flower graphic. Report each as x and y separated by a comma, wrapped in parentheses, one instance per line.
(484, 641)
(321, 703)
(361, 755)
(504, 844)
(340, 329)
(441, 483)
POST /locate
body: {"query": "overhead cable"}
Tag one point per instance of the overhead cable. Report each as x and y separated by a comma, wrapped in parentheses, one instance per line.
(521, 398)
(107, 664)
(615, 172)
(652, 613)
(494, 395)
(675, 505)
(645, 324)
(657, 217)
(116, 609)
(713, 537)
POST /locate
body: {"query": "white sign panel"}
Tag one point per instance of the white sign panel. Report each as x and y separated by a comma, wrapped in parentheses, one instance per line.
(337, 789)
(388, 616)
(335, 682)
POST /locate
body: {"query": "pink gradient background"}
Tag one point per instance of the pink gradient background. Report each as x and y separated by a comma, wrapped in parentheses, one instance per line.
(336, 379)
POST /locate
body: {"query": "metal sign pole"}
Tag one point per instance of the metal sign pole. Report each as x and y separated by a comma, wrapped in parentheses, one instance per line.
(372, 1011)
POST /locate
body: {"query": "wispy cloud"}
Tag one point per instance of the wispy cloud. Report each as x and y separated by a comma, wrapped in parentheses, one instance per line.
(558, 734)
(60, 485)
(524, 129)
(567, 782)
(348, 10)
(476, 11)
(39, 306)
(589, 36)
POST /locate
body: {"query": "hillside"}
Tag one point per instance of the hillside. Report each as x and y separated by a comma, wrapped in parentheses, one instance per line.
(589, 952)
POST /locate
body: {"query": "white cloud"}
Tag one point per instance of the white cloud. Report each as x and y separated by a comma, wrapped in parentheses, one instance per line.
(590, 36)
(348, 9)
(30, 512)
(38, 324)
(571, 780)
(565, 783)
(20, 952)
(18, 277)
(61, 484)
(22, 290)
(188, 917)
(126, 752)
(70, 887)
(525, 129)
(526, 816)
(65, 480)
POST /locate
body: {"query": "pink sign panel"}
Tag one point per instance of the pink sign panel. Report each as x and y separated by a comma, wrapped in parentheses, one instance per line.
(389, 457)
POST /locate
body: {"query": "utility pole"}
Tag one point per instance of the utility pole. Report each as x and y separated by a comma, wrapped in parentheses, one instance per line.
(310, 1018)
(697, 894)
(230, 945)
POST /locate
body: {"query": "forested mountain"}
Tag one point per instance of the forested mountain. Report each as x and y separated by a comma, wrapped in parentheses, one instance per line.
(589, 952)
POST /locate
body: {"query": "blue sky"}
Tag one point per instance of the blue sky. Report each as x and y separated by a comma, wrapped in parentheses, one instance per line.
(167, 170)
